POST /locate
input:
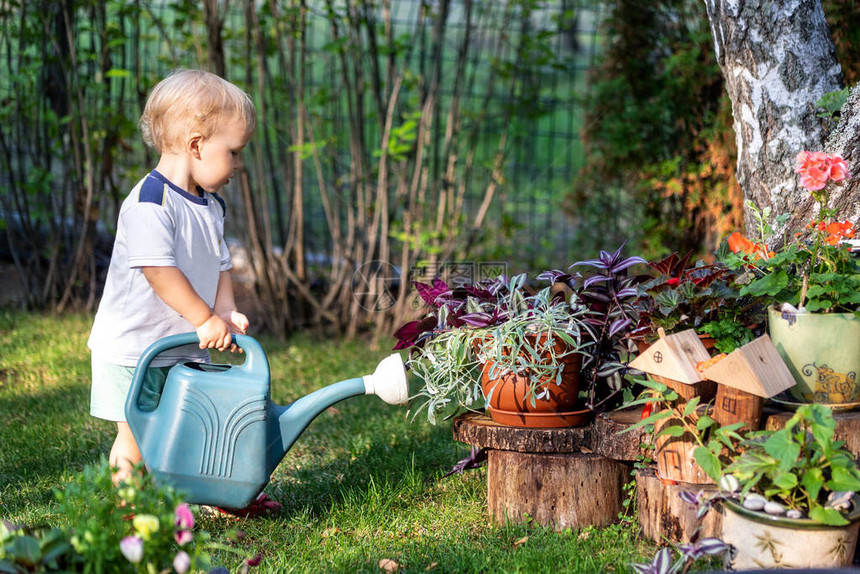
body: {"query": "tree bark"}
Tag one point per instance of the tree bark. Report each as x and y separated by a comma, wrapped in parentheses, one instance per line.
(777, 59)
(845, 141)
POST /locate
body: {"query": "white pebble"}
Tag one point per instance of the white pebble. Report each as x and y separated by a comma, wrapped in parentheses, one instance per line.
(754, 502)
(729, 483)
(793, 513)
(774, 508)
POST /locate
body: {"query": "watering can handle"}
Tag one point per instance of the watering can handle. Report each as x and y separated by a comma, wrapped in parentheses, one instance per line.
(256, 364)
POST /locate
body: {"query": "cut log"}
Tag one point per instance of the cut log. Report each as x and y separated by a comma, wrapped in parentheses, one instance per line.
(737, 406)
(623, 447)
(674, 456)
(847, 427)
(664, 517)
(571, 490)
(479, 430)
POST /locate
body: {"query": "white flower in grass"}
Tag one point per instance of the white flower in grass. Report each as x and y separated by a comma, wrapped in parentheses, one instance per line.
(132, 548)
(181, 562)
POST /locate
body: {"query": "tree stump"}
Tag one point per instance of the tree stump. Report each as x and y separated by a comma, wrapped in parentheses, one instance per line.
(551, 475)
(624, 447)
(664, 517)
(559, 490)
(847, 427)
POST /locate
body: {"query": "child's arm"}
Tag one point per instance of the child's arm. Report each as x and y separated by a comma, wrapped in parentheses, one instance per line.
(173, 287)
(225, 304)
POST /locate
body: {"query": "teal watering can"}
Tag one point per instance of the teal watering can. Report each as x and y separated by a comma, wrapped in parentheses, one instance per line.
(217, 436)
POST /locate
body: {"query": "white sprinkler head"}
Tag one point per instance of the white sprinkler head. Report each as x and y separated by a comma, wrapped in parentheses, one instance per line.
(388, 382)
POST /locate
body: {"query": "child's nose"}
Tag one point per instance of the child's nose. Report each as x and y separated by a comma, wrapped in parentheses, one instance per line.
(238, 163)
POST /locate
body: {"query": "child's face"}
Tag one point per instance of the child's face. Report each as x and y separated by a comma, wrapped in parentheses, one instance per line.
(219, 156)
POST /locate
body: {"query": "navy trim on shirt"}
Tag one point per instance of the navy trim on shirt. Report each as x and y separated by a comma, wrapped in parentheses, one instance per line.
(152, 191)
(189, 196)
(221, 202)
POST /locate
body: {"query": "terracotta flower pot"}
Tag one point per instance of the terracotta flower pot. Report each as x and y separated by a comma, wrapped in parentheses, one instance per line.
(511, 398)
(762, 541)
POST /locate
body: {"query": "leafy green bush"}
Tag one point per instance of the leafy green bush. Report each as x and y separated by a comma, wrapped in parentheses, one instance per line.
(136, 526)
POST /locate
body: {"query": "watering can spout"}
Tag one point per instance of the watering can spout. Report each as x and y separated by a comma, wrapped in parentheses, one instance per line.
(388, 382)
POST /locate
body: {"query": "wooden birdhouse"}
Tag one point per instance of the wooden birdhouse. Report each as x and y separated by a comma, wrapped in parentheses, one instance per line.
(745, 377)
(672, 360)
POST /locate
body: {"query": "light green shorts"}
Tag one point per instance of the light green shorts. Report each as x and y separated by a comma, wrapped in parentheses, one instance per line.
(110, 389)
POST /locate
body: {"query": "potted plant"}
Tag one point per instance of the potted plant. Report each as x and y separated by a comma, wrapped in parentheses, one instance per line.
(480, 339)
(609, 292)
(813, 281)
(704, 297)
(789, 497)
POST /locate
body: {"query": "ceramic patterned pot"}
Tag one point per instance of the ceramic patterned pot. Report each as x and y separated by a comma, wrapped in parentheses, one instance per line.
(822, 351)
(762, 541)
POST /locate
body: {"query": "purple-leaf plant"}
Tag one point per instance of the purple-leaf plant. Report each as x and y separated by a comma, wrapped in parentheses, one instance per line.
(608, 292)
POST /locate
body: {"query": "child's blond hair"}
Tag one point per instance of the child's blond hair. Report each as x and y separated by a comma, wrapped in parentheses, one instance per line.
(192, 101)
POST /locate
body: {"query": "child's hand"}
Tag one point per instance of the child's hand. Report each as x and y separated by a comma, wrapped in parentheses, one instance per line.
(214, 333)
(238, 323)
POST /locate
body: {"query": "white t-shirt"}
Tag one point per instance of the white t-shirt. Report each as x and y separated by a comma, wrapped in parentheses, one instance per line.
(160, 225)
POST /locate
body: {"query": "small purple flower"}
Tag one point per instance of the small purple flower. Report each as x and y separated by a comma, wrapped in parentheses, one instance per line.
(255, 561)
(132, 548)
(181, 562)
(184, 517)
(183, 537)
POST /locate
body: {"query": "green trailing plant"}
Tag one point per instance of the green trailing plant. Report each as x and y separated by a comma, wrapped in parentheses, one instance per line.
(491, 321)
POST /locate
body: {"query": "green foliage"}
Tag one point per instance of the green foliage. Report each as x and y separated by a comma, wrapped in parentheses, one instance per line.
(104, 517)
(99, 522)
(658, 130)
(709, 298)
(830, 104)
(37, 550)
(800, 465)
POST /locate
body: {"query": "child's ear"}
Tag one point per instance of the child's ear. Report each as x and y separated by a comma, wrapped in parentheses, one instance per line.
(194, 145)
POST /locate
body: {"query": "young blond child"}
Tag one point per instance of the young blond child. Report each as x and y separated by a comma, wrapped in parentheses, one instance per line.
(170, 268)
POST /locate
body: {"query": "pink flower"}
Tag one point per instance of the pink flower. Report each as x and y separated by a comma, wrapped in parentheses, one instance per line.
(816, 168)
(183, 537)
(181, 562)
(184, 517)
(132, 548)
(838, 168)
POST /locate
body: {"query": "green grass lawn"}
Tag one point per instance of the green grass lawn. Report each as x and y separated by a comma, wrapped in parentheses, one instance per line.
(362, 484)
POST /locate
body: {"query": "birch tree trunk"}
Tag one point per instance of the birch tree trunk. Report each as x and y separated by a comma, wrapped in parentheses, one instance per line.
(777, 59)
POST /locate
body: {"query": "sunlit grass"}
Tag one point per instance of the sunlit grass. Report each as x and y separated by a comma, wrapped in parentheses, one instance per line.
(360, 485)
